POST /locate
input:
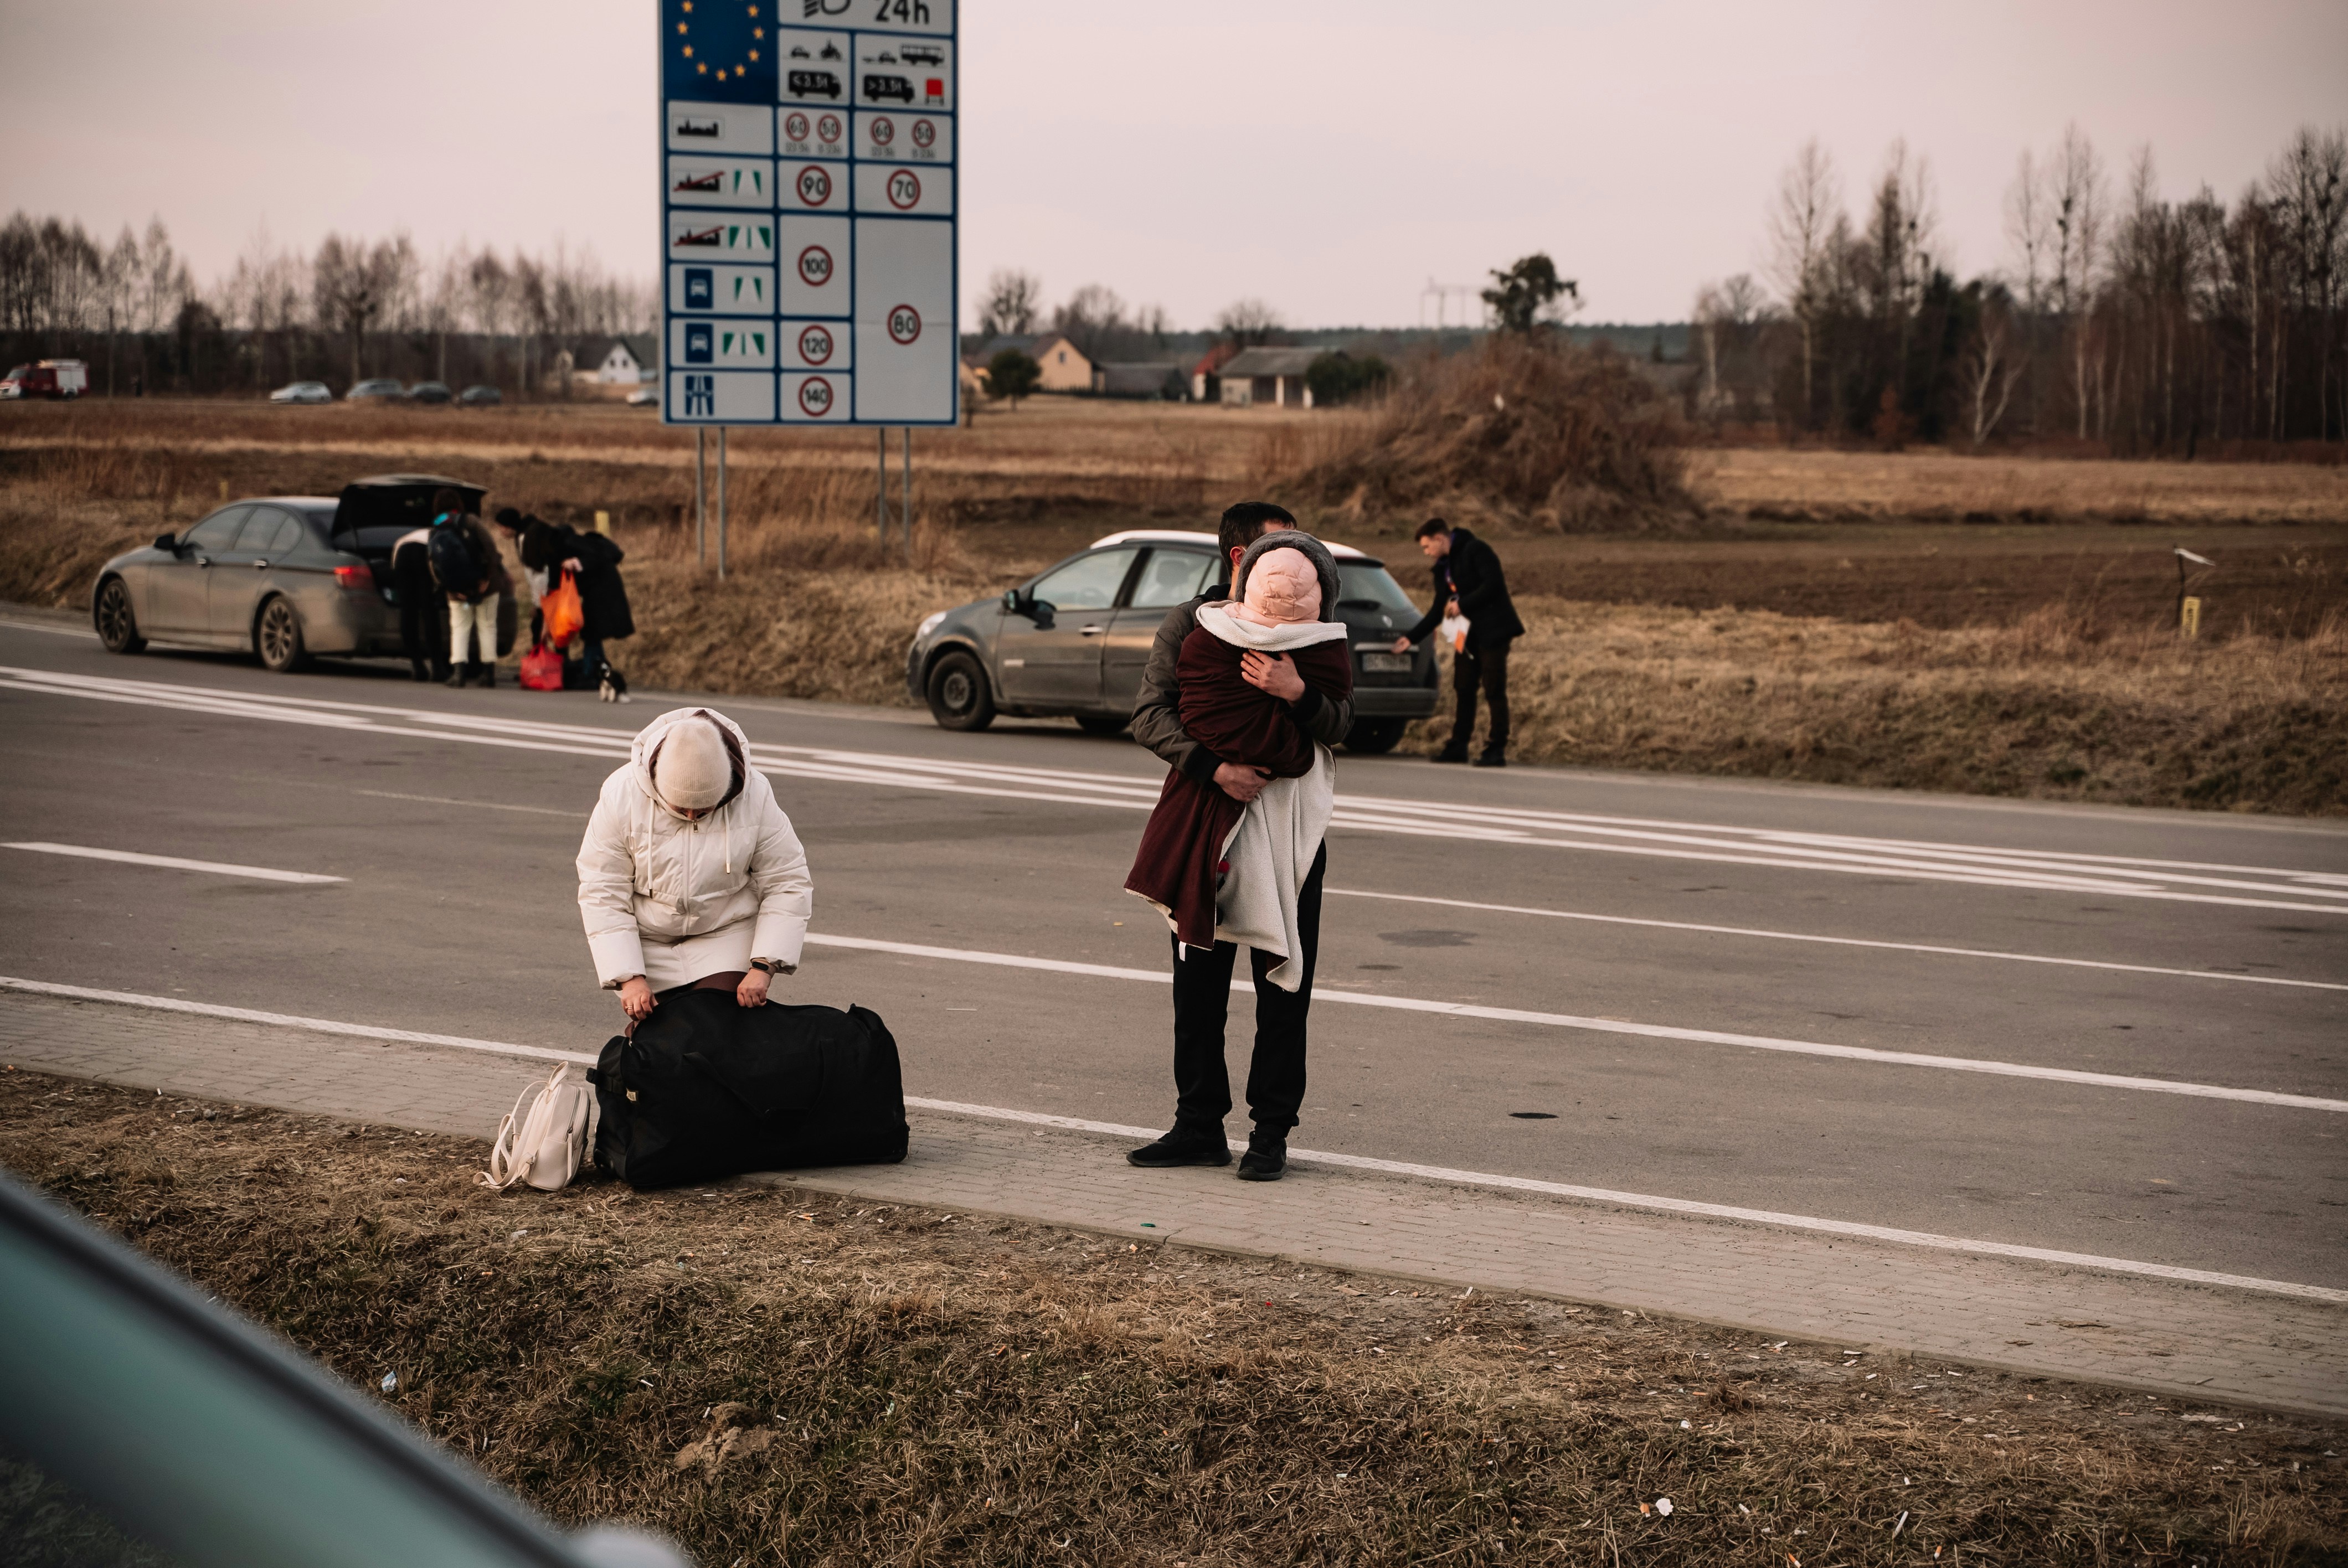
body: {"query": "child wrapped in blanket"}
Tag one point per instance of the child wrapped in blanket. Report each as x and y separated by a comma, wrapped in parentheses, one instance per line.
(1217, 870)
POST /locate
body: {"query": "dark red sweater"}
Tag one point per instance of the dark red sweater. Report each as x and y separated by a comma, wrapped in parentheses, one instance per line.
(1178, 862)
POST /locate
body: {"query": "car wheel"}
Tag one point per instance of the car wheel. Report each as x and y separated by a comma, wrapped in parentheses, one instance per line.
(118, 624)
(1102, 724)
(1372, 736)
(959, 698)
(277, 637)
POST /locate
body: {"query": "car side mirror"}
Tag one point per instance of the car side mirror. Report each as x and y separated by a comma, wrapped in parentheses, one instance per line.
(168, 542)
(1016, 601)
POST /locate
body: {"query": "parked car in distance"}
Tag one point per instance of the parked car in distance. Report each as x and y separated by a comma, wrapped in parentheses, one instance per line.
(285, 577)
(46, 378)
(146, 1424)
(644, 397)
(430, 392)
(1072, 640)
(382, 388)
(480, 397)
(302, 392)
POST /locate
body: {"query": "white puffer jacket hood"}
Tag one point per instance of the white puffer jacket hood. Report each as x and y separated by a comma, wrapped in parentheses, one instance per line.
(661, 894)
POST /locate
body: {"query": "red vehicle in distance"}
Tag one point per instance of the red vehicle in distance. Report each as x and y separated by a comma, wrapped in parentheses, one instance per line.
(47, 378)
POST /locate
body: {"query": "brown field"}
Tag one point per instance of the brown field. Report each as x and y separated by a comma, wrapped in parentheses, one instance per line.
(777, 1377)
(1831, 616)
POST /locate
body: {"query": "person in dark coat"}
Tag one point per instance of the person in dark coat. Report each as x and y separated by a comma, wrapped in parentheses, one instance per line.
(422, 610)
(1469, 583)
(1202, 978)
(594, 563)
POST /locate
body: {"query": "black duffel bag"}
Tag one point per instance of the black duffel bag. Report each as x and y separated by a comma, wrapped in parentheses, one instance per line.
(709, 1088)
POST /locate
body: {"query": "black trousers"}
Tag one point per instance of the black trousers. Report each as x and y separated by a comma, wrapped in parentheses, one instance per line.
(1487, 667)
(423, 613)
(1202, 1000)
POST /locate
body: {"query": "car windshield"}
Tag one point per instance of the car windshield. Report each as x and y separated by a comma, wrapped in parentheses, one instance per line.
(15, 373)
(1365, 586)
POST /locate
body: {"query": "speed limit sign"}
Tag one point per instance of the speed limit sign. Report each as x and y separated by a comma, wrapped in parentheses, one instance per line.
(904, 324)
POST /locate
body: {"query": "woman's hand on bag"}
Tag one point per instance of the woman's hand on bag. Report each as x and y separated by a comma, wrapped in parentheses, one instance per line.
(636, 999)
(752, 991)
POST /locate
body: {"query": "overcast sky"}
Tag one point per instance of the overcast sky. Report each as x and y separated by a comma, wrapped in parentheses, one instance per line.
(1328, 156)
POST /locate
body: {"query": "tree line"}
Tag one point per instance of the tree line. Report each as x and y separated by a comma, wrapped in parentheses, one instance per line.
(351, 309)
(2119, 318)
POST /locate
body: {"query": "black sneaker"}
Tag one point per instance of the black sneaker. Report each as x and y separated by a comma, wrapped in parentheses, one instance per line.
(1492, 760)
(1266, 1159)
(1181, 1147)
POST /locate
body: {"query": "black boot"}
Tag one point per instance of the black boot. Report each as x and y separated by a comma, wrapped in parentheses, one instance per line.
(1266, 1159)
(1452, 754)
(488, 675)
(460, 675)
(1183, 1146)
(421, 672)
(1492, 760)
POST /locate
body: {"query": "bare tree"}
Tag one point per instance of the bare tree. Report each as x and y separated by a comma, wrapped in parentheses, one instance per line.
(1801, 231)
(1092, 319)
(2308, 186)
(1014, 298)
(1249, 323)
(2079, 224)
(1989, 369)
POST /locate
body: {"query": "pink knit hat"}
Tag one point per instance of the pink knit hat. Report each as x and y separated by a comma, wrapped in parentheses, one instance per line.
(1283, 589)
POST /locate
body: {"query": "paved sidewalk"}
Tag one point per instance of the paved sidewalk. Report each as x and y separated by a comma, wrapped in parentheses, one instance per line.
(2185, 1340)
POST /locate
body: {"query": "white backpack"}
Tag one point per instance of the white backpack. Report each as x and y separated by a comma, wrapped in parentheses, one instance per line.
(543, 1137)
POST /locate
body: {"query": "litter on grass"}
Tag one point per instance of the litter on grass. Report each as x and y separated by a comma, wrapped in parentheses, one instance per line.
(390, 1381)
(1664, 1504)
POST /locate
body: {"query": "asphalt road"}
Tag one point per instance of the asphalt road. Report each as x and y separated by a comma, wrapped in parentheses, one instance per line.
(2195, 959)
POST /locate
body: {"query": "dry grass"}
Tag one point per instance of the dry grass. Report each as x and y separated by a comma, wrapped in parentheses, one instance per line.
(2018, 659)
(1940, 486)
(776, 1377)
(1523, 434)
(2043, 709)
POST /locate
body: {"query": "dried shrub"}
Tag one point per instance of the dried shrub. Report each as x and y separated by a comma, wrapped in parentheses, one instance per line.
(1535, 434)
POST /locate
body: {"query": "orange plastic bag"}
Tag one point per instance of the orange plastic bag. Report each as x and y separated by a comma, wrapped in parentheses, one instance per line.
(565, 615)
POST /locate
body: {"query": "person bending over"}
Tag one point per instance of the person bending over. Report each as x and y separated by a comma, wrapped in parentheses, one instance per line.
(689, 875)
(1469, 584)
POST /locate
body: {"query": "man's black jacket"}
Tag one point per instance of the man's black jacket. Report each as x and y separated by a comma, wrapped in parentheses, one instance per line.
(1471, 572)
(604, 597)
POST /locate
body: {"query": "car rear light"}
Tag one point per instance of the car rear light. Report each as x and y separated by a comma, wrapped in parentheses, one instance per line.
(359, 579)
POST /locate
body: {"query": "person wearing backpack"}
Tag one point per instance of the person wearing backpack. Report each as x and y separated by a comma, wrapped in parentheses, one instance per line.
(471, 571)
(690, 875)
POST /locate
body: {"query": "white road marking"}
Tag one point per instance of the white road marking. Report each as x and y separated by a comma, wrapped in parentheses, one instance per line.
(1834, 941)
(54, 630)
(218, 869)
(1352, 1162)
(2111, 877)
(1619, 1026)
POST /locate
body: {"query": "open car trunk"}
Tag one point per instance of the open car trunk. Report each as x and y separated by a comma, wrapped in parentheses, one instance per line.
(372, 514)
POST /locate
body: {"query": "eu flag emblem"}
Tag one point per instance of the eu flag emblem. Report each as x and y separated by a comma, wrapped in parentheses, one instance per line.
(717, 51)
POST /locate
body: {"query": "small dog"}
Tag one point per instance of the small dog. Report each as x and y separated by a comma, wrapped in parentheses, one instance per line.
(615, 686)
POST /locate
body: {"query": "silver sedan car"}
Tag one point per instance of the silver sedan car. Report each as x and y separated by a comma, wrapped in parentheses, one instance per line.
(1074, 640)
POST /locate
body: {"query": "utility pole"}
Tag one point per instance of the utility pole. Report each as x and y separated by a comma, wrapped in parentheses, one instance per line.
(721, 503)
(700, 495)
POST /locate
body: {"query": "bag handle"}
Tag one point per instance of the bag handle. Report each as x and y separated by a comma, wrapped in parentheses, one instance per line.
(508, 1163)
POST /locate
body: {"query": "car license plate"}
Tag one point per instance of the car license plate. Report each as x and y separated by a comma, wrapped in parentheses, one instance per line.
(1375, 663)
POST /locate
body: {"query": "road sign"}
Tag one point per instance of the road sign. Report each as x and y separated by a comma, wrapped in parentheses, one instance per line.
(809, 194)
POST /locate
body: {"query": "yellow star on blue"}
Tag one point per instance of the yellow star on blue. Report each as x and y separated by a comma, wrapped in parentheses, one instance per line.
(717, 50)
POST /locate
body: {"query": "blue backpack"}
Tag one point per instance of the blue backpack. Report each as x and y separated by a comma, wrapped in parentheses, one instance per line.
(451, 555)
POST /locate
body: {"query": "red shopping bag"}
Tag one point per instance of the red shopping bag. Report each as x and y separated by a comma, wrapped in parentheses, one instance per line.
(541, 670)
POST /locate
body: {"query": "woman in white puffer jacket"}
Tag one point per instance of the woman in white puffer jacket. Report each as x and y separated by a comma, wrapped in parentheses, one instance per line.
(690, 874)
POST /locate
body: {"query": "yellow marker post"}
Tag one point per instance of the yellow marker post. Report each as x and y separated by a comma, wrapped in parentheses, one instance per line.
(604, 524)
(2189, 616)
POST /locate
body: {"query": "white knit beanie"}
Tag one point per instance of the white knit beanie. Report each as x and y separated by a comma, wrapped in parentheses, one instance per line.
(692, 771)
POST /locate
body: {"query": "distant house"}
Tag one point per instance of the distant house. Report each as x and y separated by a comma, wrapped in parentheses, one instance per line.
(1206, 377)
(1272, 376)
(629, 361)
(1152, 378)
(1065, 367)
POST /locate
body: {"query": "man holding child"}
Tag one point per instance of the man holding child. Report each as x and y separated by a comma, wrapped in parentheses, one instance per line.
(1247, 688)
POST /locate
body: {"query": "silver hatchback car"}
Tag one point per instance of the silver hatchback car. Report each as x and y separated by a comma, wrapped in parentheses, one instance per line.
(1074, 640)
